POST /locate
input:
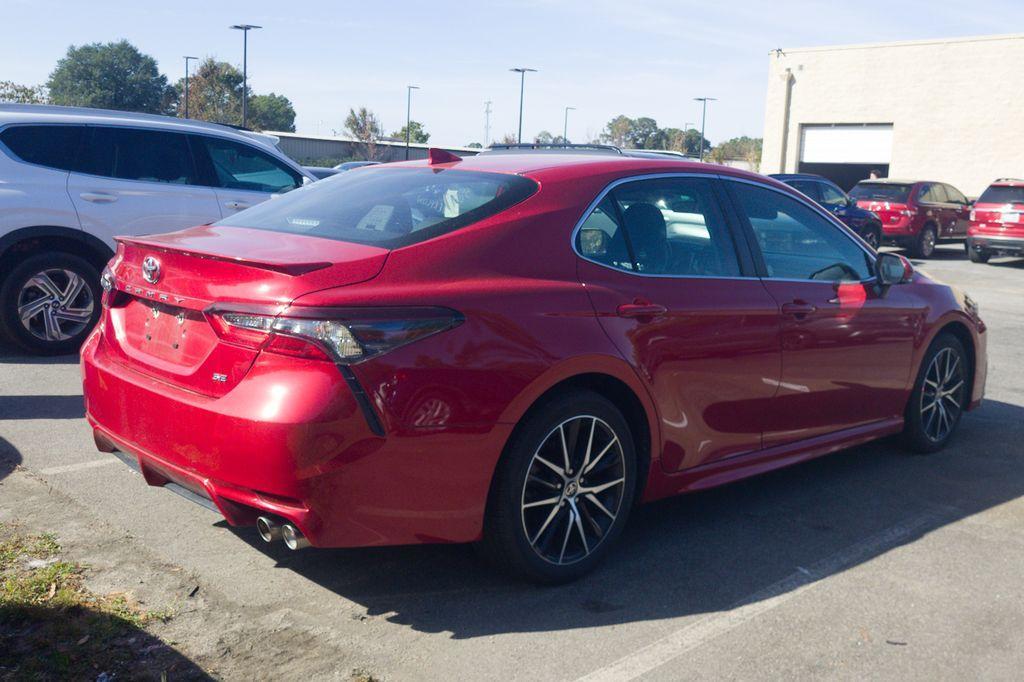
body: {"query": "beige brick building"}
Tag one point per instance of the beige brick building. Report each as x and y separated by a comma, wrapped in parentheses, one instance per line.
(946, 110)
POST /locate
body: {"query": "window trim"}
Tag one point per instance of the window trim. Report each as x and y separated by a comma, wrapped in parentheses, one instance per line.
(755, 248)
(745, 260)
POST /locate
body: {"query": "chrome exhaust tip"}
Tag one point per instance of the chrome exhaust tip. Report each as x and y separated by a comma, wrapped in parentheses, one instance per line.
(268, 528)
(293, 537)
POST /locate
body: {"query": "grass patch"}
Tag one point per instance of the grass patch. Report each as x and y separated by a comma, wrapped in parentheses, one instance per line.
(52, 627)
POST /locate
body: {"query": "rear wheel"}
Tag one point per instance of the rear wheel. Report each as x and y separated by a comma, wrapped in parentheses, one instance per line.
(940, 395)
(924, 246)
(49, 303)
(978, 255)
(563, 490)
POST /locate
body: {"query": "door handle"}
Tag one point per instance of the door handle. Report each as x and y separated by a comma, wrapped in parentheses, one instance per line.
(98, 197)
(798, 309)
(640, 309)
(236, 205)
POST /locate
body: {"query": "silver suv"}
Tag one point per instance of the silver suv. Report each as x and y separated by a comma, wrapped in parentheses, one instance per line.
(72, 179)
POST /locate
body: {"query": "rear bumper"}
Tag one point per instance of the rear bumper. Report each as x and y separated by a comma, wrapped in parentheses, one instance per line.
(291, 440)
(996, 243)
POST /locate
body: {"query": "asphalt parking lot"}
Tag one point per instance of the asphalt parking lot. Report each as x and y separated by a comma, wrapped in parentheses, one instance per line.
(868, 563)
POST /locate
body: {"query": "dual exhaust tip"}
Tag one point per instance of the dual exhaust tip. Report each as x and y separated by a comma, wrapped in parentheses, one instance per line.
(271, 529)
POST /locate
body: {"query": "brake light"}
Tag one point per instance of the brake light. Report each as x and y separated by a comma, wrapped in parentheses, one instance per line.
(344, 336)
(974, 215)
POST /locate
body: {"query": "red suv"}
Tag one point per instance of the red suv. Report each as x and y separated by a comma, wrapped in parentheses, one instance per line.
(996, 223)
(513, 348)
(916, 215)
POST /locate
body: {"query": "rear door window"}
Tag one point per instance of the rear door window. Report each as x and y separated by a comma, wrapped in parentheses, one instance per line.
(139, 154)
(243, 167)
(931, 193)
(954, 195)
(53, 146)
(388, 207)
(832, 197)
(808, 187)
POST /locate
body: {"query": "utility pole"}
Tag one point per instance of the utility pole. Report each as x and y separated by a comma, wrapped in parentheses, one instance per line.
(245, 28)
(565, 125)
(408, 115)
(186, 82)
(522, 71)
(703, 120)
(487, 123)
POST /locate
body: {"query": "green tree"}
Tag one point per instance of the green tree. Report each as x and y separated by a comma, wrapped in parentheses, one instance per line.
(22, 94)
(618, 131)
(110, 76)
(544, 137)
(739, 148)
(214, 93)
(364, 126)
(271, 112)
(416, 133)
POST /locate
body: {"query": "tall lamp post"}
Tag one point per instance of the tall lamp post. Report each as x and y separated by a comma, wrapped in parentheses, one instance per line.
(522, 71)
(186, 82)
(245, 28)
(408, 115)
(703, 120)
(565, 126)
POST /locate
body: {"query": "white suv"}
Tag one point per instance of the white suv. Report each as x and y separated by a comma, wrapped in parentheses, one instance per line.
(71, 179)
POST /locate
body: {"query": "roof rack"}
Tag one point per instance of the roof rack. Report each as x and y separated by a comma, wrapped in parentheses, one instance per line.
(1008, 180)
(554, 146)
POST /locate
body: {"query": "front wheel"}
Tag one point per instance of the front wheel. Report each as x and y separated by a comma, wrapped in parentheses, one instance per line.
(940, 395)
(563, 489)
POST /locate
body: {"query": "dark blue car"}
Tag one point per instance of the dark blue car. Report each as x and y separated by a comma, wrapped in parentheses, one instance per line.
(827, 193)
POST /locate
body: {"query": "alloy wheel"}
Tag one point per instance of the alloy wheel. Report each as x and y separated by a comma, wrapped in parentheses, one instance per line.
(928, 243)
(573, 490)
(55, 304)
(942, 394)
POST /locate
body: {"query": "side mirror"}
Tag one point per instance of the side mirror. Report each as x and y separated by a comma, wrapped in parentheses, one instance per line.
(891, 269)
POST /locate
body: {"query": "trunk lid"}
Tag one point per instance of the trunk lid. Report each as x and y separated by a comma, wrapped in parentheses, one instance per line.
(158, 325)
(885, 210)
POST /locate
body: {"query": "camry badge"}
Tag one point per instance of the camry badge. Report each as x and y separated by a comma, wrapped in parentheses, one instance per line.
(151, 269)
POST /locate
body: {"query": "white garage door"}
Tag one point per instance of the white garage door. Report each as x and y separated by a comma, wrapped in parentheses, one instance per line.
(846, 143)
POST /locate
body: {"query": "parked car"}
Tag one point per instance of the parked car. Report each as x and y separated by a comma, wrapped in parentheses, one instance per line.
(320, 172)
(349, 165)
(74, 178)
(996, 224)
(822, 190)
(514, 349)
(916, 215)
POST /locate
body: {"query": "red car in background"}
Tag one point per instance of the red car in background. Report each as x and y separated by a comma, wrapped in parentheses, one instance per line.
(997, 221)
(916, 215)
(513, 349)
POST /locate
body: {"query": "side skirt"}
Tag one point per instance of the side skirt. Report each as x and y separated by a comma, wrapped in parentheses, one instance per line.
(736, 468)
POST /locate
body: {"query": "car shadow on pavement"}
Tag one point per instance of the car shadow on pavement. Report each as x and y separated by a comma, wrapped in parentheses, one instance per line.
(41, 407)
(10, 458)
(702, 553)
(11, 355)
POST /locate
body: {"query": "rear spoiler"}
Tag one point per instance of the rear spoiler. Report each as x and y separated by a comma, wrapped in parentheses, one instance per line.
(294, 268)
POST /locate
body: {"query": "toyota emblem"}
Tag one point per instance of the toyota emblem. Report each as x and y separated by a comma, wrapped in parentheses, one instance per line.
(151, 269)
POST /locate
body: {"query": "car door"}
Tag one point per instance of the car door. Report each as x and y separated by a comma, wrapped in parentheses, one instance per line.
(241, 174)
(962, 209)
(138, 181)
(681, 304)
(931, 200)
(846, 343)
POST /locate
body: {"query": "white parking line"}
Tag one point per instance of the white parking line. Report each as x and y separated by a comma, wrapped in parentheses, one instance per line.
(679, 642)
(67, 468)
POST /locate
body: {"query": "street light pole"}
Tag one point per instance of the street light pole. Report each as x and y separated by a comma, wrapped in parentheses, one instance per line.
(522, 71)
(565, 126)
(408, 115)
(245, 28)
(703, 120)
(186, 82)
(487, 123)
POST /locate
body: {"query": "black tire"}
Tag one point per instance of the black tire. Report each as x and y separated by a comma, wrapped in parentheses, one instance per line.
(520, 477)
(920, 433)
(978, 256)
(873, 236)
(924, 245)
(59, 268)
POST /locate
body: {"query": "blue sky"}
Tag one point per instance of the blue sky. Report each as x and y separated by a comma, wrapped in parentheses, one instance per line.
(633, 57)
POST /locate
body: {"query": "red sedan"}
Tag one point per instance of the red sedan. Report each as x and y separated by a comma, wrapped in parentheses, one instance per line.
(513, 349)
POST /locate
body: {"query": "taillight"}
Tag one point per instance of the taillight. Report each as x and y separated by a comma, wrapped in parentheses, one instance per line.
(974, 215)
(344, 336)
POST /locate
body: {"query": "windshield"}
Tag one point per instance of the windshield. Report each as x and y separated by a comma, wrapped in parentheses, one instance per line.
(1002, 194)
(878, 191)
(390, 207)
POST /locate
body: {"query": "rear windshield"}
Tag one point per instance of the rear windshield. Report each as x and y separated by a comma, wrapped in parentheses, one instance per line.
(388, 207)
(867, 191)
(1001, 194)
